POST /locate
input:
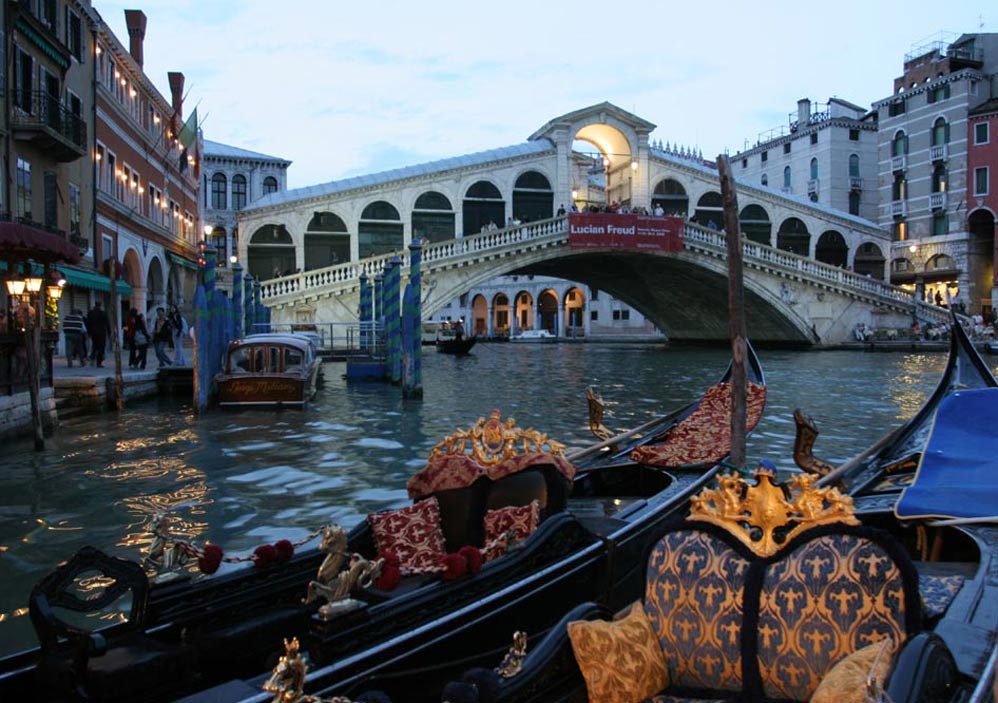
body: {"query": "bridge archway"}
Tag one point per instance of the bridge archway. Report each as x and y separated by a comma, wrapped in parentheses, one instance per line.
(500, 315)
(574, 324)
(524, 311)
(479, 323)
(533, 198)
(793, 236)
(755, 224)
(327, 241)
(433, 218)
(869, 261)
(271, 252)
(832, 249)
(710, 210)
(547, 311)
(671, 195)
(483, 203)
(379, 230)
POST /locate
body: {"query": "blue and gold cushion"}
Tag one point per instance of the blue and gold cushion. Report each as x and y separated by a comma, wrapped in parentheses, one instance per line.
(693, 598)
(938, 592)
(829, 597)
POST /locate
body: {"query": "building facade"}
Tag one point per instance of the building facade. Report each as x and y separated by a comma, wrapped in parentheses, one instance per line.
(982, 206)
(926, 184)
(233, 178)
(828, 154)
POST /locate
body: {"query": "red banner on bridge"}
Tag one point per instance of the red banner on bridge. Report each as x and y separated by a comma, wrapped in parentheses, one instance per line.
(604, 230)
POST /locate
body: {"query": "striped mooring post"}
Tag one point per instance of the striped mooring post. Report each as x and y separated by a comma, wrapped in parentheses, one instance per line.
(248, 304)
(237, 300)
(393, 319)
(412, 369)
(365, 314)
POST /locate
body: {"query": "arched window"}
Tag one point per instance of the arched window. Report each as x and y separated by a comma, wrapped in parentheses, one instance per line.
(940, 132)
(710, 209)
(238, 192)
(814, 169)
(853, 165)
(899, 145)
(380, 230)
(483, 205)
(433, 217)
(793, 237)
(533, 198)
(218, 188)
(786, 178)
(939, 179)
(269, 185)
(327, 241)
(671, 195)
(755, 224)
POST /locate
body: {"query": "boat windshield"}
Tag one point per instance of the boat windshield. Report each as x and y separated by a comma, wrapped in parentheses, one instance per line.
(294, 359)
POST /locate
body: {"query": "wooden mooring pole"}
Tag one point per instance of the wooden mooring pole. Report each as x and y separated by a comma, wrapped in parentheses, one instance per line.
(736, 312)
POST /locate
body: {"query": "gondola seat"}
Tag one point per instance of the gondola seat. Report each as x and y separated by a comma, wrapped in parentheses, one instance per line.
(704, 436)
(113, 664)
(759, 595)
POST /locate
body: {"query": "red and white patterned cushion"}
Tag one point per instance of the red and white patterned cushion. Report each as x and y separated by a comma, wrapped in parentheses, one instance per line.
(413, 533)
(522, 520)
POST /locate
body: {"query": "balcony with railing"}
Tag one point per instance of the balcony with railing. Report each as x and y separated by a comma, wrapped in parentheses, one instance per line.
(938, 153)
(855, 183)
(898, 163)
(812, 186)
(937, 201)
(898, 208)
(41, 118)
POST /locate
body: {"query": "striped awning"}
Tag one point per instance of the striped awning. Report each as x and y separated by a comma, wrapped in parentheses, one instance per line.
(181, 261)
(93, 281)
(42, 43)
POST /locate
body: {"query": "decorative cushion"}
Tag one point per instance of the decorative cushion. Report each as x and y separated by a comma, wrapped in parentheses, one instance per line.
(521, 520)
(693, 598)
(846, 682)
(413, 533)
(829, 597)
(621, 661)
(938, 592)
(703, 437)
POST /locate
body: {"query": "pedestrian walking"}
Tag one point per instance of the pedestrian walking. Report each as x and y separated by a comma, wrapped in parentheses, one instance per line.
(161, 336)
(75, 330)
(140, 341)
(129, 335)
(97, 327)
(179, 327)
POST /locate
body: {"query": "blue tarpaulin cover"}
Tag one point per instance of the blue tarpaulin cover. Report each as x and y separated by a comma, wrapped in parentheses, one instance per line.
(958, 474)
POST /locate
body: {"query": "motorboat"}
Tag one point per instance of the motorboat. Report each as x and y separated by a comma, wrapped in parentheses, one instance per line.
(534, 337)
(269, 369)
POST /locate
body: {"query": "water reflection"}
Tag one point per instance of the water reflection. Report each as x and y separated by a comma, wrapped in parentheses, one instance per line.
(243, 478)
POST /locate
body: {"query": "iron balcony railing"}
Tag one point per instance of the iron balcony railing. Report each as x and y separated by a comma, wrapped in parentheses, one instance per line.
(36, 108)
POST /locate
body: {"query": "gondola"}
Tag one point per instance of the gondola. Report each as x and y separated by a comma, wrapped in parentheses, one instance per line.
(921, 504)
(456, 346)
(214, 638)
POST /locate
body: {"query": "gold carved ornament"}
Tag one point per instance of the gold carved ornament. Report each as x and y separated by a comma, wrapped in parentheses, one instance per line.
(287, 680)
(492, 441)
(764, 516)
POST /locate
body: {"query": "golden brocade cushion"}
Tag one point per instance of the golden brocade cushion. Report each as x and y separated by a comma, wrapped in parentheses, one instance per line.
(621, 661)
(518, 521)
(413, 533)
(846, 682)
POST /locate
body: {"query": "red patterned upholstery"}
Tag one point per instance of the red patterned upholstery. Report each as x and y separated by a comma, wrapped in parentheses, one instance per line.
(444, 472)
(704, 437)
(522, 520)
(413, 533)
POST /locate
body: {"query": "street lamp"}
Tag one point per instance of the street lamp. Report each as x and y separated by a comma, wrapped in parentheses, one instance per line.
(24, 290)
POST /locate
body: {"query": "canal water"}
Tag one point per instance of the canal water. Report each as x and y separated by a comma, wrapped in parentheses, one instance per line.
(248, 477)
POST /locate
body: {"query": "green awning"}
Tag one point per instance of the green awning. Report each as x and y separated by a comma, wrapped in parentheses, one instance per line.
(42, 43)
(94, 281)
(183, 262)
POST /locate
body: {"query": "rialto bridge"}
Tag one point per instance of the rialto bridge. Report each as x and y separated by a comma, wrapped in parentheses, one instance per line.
(812, 272)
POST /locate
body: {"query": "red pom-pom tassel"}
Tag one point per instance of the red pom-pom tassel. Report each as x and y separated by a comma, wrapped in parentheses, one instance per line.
(472, 557)
(390, 578)
(454, 567)
(210, 559)
(265, 555)
(284, 550)
(391, 559)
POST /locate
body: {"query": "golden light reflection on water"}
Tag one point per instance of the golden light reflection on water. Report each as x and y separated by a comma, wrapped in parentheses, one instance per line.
(906, 390)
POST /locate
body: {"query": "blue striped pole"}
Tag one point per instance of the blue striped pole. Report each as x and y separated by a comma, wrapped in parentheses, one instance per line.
(202, 332)
(209, 271)
(248, 304)
(364, 313)
(393, 316)
(258, 311)
(237, 300)
(414, 387)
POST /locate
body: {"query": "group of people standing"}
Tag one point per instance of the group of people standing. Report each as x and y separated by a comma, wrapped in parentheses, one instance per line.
(167, 330)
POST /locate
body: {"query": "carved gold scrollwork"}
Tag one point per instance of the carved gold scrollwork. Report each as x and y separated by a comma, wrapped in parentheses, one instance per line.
(512, 663)
(491, 441)
(764, 516)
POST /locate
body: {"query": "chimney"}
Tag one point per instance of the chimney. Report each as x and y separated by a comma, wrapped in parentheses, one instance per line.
(177, 92)
(803, 111)
(135, 20)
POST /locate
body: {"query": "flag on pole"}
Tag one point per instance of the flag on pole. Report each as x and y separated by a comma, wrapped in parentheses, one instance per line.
(188, 135)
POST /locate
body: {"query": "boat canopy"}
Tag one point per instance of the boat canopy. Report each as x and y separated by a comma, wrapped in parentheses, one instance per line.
(957, 477)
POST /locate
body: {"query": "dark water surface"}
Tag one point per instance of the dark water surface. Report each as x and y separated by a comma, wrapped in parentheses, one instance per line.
(244, 478)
